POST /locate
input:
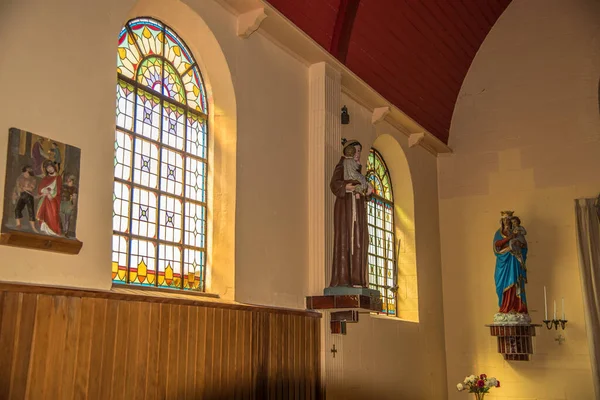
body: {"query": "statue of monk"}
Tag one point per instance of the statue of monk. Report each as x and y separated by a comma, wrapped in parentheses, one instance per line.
(351, 238)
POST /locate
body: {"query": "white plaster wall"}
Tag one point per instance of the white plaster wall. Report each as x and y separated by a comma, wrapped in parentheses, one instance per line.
(58, 76)
(526, 137)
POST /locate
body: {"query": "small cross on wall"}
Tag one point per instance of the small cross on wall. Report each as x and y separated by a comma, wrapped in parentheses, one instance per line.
(333, 351)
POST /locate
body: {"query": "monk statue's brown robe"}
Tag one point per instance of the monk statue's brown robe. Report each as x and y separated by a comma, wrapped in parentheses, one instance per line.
(350, 250)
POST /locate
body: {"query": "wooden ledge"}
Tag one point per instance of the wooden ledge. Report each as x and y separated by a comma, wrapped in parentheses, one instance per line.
(335, 302)
(149, 298)
(40, 242)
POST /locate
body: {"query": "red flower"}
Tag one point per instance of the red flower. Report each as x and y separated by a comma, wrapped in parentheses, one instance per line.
(480, 383)
(498, 384)
(482, 376)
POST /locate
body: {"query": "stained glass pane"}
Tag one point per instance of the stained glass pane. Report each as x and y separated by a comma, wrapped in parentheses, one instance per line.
(143, 213)
(128, 56)
(121, 197)
(123, 149)
(196, 136)
(119, 258)
(171, 219)
(149, 73)
(195, 180)
(378, 176)
(148, 116)
(172, 85)
(159, 212)
(145, 163)
(195, 90)
(169, 266)
(171, 172)
(149, 35)
(380, 222)
(125, 104)
(173, 126)
(193, 269)
(142, 262)
(195, 221)
(176, 52)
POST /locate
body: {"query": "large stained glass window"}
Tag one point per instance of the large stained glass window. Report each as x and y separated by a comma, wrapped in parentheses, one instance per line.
(159, 199)
(383, 275)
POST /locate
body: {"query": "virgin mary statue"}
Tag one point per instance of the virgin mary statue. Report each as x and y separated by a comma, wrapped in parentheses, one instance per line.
(510, 248)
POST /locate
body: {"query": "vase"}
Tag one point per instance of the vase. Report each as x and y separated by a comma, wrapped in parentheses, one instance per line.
(479, 396)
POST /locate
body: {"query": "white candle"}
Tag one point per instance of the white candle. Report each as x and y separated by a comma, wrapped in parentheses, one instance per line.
(545, 305)
(563, 309)
(554, 309)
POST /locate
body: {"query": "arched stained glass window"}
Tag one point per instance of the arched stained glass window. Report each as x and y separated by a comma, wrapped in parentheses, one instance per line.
(383, 275)
(159, 199)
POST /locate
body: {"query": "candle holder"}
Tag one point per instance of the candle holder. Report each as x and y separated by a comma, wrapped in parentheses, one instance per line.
(555, 322)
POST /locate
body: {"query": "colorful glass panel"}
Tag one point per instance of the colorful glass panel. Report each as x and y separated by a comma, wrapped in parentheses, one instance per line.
(159, 198)
(153, 55)
(383, 274)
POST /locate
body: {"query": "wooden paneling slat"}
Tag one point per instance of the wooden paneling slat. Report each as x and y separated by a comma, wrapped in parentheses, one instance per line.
(98, 340)
(108, 351)
(23, 341)
(191, 352)
(200, 378)
(163, 352)
(56, 348)
(39, 351)
(182, 353)
(152, 366)
(143, 347)
(121, 352)
(217, 355)
(58, 345)
(8, 332)
(134, 348)
(208, 388)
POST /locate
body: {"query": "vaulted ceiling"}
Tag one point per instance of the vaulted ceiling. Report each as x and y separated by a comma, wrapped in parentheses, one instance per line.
(415, 53)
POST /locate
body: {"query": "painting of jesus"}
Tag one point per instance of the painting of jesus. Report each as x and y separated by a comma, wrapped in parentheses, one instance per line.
(41, 185)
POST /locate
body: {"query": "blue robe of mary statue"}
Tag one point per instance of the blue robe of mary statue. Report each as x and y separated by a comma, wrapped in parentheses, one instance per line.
(510, 275)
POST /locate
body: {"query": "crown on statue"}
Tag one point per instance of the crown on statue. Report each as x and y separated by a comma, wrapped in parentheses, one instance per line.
(506, 214)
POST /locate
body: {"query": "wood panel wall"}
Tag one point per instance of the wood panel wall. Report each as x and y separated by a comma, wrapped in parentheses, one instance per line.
(71, 344)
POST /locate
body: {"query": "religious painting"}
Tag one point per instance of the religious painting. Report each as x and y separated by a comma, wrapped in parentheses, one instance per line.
(41, 187)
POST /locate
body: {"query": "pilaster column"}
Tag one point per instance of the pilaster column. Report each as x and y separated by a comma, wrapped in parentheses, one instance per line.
(324, 144)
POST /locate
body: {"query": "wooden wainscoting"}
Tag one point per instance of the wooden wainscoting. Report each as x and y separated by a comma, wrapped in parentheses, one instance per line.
(73, 344)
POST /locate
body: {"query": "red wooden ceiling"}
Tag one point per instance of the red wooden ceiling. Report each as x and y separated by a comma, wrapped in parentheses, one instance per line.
(415, 53)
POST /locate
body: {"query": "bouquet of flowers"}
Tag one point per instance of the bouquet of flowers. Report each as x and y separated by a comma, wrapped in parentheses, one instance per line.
(480, 385)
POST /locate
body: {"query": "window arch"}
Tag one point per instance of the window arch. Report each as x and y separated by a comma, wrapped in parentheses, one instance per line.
(383, 274)
(159, 198)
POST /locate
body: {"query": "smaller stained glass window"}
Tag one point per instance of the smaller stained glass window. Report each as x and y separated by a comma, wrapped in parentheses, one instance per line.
(383, 274)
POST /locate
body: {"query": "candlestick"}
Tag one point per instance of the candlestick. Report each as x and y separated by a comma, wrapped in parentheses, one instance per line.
(545, 305)
(563, 309)
(554, 309)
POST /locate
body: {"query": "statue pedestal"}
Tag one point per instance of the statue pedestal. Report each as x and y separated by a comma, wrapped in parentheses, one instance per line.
(345, 303)
(514, 341)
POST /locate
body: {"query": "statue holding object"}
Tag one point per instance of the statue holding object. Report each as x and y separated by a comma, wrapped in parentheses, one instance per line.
(510, 249)
(351, 237)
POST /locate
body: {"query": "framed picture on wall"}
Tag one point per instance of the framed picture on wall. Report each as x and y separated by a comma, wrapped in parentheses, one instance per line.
(41, 193)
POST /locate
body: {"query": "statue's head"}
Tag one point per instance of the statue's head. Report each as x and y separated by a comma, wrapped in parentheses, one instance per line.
(352, 148)
(507, 214)
(505, 218)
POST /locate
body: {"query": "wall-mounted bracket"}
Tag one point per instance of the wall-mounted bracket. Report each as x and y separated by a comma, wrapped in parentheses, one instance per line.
(379, 114)
(249, 22)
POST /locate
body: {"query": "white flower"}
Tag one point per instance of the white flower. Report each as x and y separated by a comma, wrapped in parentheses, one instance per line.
(460, 387)
(492, 382)
(472, 379)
